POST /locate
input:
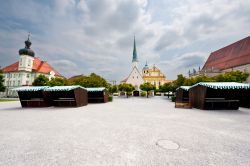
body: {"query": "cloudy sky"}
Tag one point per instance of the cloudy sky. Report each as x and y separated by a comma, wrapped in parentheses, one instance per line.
(84, 36)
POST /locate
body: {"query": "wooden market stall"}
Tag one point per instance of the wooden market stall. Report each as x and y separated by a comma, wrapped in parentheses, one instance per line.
(182, 97)
(97, 95)
(217, 95)
(33, 96)
(68, 96)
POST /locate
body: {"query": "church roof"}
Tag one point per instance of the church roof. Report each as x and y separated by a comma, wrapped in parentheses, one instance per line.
(233, 55)
(38, 67)
(125, 80)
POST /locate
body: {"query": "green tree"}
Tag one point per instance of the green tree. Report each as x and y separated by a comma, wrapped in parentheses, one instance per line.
(41, 80)
(147, 87)
(167, 87)
(113, 89)
(233, 76)
(93, 80)
(57, 82)
(2, 87)
(128, 88)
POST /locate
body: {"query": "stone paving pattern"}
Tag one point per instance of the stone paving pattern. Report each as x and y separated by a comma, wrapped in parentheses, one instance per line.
(123, 132)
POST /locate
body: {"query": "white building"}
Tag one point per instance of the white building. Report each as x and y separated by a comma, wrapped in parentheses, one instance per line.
(24, 71)
(135, 77)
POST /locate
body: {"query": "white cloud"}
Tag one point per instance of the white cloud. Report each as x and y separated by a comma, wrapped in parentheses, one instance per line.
(97, 35)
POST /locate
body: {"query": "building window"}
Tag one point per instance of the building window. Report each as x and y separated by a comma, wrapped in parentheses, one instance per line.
(27, 82)
(10, 75)
(29, 62)
(133, 77)
(21, 62)
(18, 82)
(137, 77)
(28, 76)
(13, 83)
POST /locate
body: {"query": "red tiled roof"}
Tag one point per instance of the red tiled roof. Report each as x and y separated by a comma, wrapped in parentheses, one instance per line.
(233, 55)
(125, 80)
(38, 66)
(11, 68)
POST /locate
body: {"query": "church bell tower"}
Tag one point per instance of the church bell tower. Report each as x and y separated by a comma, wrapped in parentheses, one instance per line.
(26, 57)
(135, 59)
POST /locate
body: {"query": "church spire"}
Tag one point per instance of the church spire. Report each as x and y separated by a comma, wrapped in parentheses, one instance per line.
(135, 59)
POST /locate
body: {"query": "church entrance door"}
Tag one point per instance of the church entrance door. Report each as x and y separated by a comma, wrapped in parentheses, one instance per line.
(136, 93)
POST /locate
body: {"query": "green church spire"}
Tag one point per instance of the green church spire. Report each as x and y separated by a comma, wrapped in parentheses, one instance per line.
(135, 59)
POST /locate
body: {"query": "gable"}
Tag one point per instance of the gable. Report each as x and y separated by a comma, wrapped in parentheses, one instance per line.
(135, 77)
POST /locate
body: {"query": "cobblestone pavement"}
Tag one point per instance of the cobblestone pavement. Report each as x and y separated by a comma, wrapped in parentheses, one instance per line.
(134, 131)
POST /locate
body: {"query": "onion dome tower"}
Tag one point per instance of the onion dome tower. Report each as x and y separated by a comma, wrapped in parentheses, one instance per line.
(26, 57)
(27, 50)
(145, 68)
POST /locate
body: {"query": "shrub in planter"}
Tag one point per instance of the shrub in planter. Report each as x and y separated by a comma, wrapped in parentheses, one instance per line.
(143, 94)
(173, 98)
(129, 93)
(110, 98)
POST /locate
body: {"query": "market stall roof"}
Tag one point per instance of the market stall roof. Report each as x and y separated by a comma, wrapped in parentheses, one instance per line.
(30, 88)
(224, 85)
(63, 88)
(96, 89)
(186, 88)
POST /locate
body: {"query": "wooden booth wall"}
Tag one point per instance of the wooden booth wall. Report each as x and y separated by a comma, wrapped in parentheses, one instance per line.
(98, 96)
(33, 99)
(197, 95)
(72, 98)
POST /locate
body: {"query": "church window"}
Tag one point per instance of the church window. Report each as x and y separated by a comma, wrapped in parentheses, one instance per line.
(21, 62)
(133, 77)
(28, 76)
(137, 77)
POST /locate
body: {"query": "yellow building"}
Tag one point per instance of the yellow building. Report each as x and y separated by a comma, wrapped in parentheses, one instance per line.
(154, 76)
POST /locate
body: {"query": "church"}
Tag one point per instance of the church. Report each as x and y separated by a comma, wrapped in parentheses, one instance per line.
(24, 71)
(235, 56)
(137, 77)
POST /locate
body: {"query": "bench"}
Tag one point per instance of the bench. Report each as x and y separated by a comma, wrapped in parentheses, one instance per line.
(64, 102)
(221, 103)
(183, 104)
(34, 102)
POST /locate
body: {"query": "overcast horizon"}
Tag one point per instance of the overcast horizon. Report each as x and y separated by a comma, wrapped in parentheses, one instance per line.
(85, 36)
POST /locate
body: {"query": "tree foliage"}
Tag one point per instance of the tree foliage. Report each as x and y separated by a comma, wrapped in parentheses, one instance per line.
(57, 82)
(147, 87)
(233, 76)
(2, 87)
(128, 88)
(113, 89)
(93, 80)
(41, 80)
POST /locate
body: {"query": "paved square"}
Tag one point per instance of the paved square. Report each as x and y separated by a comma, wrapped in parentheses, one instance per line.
(132, 131)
